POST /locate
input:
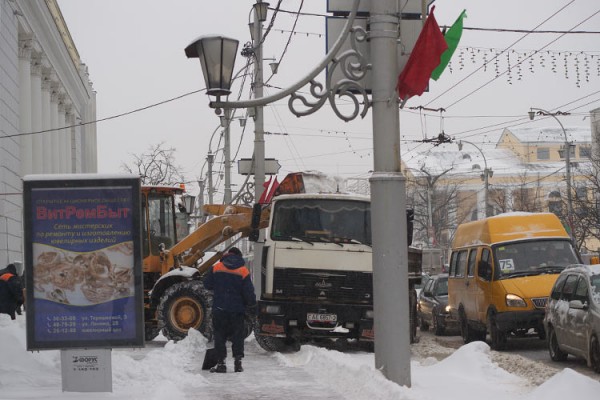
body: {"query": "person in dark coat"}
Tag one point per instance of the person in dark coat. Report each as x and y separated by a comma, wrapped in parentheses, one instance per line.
(11, 291)
(233, 296)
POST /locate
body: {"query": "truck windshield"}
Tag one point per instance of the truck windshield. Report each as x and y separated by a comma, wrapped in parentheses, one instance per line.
(322, 220)
(533, 257)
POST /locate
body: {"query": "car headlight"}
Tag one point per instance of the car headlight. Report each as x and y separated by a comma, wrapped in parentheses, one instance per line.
(512, 300)
(447, 309)
(369, 314)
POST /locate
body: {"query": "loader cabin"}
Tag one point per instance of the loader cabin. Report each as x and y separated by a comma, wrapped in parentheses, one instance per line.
(159, 224)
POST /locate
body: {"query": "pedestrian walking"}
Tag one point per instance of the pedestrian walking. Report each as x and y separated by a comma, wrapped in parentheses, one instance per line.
(233, 296)
(11, 291)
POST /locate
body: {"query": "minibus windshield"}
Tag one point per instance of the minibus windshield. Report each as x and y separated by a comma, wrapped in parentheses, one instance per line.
(532, 257)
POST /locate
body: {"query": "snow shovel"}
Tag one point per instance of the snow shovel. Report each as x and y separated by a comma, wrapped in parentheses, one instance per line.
(210, 359)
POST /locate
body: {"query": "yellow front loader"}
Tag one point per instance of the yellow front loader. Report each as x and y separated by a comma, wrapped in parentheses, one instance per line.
(175, 298)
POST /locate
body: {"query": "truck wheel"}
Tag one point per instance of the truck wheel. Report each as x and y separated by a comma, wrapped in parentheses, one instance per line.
(498, 337)
(424, 326)
(279, 345)
(413, 316)
(183, 306)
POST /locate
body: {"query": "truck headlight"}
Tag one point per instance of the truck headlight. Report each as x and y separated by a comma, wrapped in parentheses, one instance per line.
(369, 314)
(512, 300)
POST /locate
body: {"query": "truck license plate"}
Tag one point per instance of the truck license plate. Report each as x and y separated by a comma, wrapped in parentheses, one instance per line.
(314, 317)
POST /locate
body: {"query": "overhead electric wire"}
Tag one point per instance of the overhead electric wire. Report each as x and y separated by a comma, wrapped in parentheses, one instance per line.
(497, 55)
(107, 118)
(518, 63)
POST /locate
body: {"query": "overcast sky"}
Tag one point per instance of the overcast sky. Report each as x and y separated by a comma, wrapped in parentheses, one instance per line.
(135, 53)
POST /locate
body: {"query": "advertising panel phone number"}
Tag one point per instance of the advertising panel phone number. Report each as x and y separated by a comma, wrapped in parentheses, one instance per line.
(86, 324)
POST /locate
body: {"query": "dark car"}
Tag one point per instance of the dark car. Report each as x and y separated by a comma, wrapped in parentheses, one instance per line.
(432, 306)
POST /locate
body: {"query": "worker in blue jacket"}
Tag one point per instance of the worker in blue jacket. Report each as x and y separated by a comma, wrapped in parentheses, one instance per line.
(233, 296)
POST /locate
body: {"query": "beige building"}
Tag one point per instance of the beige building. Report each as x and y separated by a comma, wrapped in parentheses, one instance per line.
(524, 171)
(48, 108)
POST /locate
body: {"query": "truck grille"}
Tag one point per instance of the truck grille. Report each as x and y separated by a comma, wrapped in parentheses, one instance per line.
(344, 286)
(540, 302)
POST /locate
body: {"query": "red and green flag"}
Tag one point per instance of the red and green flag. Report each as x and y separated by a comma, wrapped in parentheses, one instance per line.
(424, 58)
(452, 37)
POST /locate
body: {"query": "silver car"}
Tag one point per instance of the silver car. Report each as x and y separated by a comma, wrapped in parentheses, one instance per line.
(572, 319)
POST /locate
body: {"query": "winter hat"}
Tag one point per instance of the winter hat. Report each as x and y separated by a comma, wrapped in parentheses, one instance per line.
(235, 250)
(12, 269)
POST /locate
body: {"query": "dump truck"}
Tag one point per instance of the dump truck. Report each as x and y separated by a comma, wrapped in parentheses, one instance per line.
(317, 269)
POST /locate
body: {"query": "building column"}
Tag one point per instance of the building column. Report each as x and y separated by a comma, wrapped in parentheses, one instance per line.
(68, 133)
(54, 134)
(26, 148)
(36, 115)
(47, 155)
(78, 146)
(62, 139)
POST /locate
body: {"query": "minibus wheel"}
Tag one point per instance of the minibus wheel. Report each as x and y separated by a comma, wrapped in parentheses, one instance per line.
(497, 336)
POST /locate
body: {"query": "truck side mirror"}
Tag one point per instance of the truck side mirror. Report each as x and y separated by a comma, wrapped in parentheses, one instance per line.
(255, 222)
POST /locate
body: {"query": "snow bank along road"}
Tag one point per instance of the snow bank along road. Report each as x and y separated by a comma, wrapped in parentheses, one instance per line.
(525, 357)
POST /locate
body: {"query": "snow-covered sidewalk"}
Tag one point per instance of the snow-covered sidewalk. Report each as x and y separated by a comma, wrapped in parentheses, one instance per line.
(168, 370)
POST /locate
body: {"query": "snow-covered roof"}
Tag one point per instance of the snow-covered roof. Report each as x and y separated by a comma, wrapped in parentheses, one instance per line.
(470, 162)
(554, 134)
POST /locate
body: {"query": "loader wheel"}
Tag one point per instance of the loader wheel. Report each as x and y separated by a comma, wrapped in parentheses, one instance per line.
(183, 306)
(150, 332)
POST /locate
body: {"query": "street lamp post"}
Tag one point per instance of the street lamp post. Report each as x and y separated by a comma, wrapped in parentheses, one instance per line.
(487, 173)
(388, 194)
(260, 15)
(540, 111)
(226, 123)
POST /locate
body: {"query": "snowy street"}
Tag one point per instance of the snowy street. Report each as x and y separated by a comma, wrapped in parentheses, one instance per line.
(440, 368)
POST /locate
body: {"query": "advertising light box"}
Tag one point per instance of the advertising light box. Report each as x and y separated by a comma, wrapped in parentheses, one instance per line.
(83, 262)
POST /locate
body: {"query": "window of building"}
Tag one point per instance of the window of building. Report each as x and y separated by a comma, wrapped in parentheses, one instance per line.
(562, 154)
(585, 151)
(581, 192)
(555, 204)
(543, 153)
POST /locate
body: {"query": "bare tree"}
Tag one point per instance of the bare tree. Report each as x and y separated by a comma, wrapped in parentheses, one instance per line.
(156, 166)
(521, 194)
(435, 206)
(585, 220)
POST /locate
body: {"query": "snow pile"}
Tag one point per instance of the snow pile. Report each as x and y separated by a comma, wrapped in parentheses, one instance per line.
(168, 370)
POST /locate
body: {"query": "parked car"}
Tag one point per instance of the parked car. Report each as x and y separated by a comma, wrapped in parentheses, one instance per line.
(572, 319)
(432, 306)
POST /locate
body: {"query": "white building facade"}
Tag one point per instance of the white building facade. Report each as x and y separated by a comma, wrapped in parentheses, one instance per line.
(47, 109)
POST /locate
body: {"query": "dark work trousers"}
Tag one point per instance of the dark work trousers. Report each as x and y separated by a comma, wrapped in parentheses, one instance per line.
(228, 326)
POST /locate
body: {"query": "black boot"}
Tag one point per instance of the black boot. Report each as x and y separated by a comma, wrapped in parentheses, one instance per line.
(237, 365)
(220, 367)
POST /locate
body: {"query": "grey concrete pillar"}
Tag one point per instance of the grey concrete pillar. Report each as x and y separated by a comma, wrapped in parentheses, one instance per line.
(36, 115)
(26, 147)
(46, 122)
(54, 136)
